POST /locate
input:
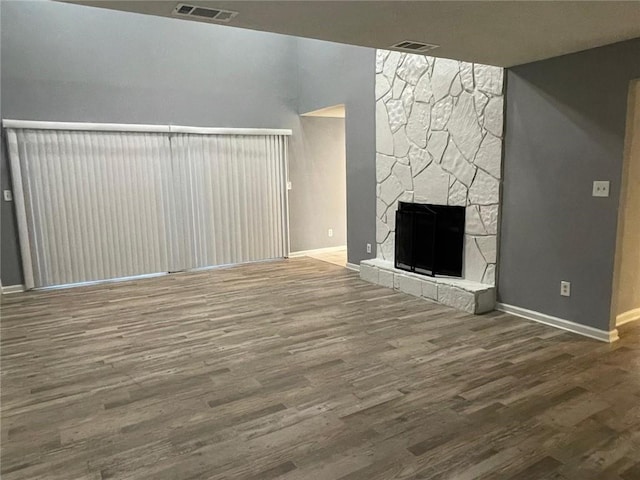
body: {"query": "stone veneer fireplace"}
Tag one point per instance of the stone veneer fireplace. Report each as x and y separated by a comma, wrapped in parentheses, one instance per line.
(439, 127)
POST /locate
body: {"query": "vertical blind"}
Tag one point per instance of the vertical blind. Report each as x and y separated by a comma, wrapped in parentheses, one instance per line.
(235, 197)
(96, 204)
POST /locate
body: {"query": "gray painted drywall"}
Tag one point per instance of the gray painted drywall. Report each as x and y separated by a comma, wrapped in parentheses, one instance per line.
(65, 62)
(10, 262)
(343, 74)
(320, 188)
(565, 127)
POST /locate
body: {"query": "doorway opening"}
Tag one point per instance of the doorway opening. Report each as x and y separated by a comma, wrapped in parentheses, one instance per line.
(625, 305)
(318, 189)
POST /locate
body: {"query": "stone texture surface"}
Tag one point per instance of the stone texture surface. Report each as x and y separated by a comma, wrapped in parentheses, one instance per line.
(401, 144)
(464, 126)
(474, 262)
(485, 301)
(384, 164)
(398, 88)
(490, 148)
(385, 249)
(493, 115)
(384, 137)
(410, 285)
(369, 273)
(418, 124)
(439, 134)
(390, 64)
(430, 290)
(382, 86)
(444, 71)
(412, 68)
(457, 298)
(408, 97)
(469, 296)
(489, 216)
(488, 78)
(396, 113)
(490, 274)
(487, 248)
(380, 57)
(431, 185)
(385, 278)
(423, 91)
(473, 221)
(437, 144)
(456, 86)
(454, 163)
(441, 112)
(457, 194)
(484, 190)
(403, 173)
(466, 75)
(381, 209)
(480, 101)
(382, 230)
(419, 159)
(390, 190)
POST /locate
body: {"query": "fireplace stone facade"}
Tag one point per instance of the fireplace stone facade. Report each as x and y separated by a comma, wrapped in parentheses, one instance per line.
(439, 129)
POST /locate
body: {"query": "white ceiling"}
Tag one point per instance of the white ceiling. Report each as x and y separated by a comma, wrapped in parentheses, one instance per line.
(504, 33)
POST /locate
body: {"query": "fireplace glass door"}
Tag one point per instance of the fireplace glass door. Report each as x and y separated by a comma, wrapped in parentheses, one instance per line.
(415, 240)
(429, 238)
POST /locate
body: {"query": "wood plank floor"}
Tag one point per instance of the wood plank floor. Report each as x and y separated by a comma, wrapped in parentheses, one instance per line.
(299, 370)
(337, 257)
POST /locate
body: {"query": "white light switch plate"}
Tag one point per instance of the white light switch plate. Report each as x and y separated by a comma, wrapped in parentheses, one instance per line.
(8, 196)
(601, 188)
(288, 185)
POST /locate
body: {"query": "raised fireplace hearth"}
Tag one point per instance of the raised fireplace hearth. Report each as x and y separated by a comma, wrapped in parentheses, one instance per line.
(466, 295)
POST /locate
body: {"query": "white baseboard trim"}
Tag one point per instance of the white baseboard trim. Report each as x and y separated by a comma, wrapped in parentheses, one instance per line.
(629, 316)
(12, 289)
(568, 325)
(304, 253)
(353, 266)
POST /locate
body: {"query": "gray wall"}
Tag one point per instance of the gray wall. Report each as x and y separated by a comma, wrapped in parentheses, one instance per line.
(320, 189)
(345, 75)
(72, 63)
(565, 128)
(10, 262)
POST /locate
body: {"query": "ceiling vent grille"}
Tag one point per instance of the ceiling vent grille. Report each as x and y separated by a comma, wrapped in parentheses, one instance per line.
(216, 14)
(414, 47)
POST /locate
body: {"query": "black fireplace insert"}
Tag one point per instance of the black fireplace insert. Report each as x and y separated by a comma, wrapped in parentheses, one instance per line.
(429, 239)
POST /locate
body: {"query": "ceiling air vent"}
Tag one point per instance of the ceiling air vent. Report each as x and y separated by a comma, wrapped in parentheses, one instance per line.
(216, 14)
(414, 47)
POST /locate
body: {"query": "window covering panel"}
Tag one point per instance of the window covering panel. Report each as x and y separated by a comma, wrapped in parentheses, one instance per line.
(235, 202)
(98, 204)
(102, 204)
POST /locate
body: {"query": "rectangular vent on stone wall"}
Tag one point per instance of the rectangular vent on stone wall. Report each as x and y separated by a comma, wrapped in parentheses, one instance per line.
(216, 14)
(414, 47)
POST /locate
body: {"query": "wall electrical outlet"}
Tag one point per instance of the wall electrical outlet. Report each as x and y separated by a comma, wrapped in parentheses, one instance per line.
(8, 195)
(331, 232)
(565, 289)
(368, 248)
(601, 188)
